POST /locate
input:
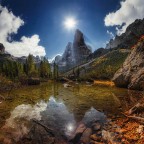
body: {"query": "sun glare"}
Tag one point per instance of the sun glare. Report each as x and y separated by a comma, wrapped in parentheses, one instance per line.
(70, 23)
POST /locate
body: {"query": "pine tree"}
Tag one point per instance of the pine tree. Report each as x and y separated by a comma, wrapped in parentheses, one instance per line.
(55, 71)
(45, 69)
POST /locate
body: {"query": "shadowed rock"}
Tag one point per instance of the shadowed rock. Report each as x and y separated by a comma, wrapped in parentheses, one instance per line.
(131, 75)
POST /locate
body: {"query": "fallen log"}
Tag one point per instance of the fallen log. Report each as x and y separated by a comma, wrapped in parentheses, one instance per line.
(139, 119)
(2, 97)
(136, 108)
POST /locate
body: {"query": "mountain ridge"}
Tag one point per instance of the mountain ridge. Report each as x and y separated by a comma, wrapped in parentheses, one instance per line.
(75, 52)
(126, 40)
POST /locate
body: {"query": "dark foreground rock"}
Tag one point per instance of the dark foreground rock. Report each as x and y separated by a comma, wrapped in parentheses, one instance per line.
(131, 74)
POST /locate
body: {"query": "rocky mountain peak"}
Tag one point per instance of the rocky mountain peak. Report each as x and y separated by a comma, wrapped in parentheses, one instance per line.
(75, 52)
(126, 40)
(78, 38)
(68, 53)
(80, 49)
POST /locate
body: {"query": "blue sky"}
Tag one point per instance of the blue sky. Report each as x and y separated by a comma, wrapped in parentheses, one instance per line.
(45, 18)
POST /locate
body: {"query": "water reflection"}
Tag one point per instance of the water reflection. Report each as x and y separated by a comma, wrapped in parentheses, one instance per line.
(17, 125)
(53, 114)
(93, 115)
(57, 115)
(63, 112)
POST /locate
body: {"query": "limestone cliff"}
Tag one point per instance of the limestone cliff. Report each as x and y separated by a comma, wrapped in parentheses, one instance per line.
(131, 74)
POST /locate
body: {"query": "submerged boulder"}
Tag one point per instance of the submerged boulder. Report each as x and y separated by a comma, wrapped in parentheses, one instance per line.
(131, 74)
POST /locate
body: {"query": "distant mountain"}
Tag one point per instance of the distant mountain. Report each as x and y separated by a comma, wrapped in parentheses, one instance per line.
(129, 38)
(6, 56)
(75, 53)
(97, 53)
(80, 49)
(2, 48)
(67, 56)
(22, 59)
(57, 59)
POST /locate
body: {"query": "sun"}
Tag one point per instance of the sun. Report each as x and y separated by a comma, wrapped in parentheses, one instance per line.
(70, 23)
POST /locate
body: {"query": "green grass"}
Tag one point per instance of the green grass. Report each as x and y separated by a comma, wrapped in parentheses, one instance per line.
(105, 66)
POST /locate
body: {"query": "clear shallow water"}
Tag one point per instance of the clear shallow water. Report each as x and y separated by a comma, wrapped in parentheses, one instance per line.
(59, 108)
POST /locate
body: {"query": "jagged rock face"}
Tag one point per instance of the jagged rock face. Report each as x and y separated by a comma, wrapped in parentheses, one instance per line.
(68, 53)
(97, 53)
(23, 59)
(80, 49)
(58, 58)
(130, 37)
(75, 52)
(131, 75)
(2, 48)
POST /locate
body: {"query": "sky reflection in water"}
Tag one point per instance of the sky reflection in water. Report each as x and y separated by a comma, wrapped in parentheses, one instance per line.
(53, 114)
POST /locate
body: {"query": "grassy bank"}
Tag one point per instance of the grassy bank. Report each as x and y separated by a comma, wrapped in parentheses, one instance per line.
(102, 68)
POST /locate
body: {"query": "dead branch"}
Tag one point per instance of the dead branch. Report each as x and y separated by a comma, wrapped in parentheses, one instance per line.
(135, 108)
(139, 119)
(50, 131)
(2, 97)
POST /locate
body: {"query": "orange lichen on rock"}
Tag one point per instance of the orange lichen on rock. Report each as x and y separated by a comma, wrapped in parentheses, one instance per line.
(140, 39)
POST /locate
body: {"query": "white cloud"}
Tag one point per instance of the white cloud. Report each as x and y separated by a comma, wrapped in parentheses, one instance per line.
(10, 24)
(111, 34)
(27, 45)
(129, 11)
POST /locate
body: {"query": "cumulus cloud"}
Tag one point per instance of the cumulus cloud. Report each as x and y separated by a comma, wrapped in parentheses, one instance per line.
(9, 25)
(129, 11)
(27, 45)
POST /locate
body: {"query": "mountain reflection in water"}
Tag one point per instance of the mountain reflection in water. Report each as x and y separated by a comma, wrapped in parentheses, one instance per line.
(53, 114)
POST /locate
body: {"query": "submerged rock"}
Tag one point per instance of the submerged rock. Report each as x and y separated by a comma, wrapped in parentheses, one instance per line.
(96, 126)
(86, 136)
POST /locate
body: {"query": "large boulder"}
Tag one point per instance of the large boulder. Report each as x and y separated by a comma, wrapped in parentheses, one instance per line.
(131, 74)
